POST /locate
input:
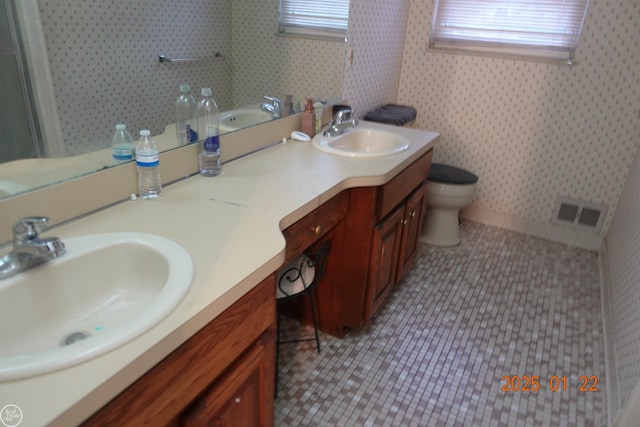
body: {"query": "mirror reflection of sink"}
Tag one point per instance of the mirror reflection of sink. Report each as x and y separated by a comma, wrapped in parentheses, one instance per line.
(106, 290)
(8, 188)
(237, 119)
(362, 142)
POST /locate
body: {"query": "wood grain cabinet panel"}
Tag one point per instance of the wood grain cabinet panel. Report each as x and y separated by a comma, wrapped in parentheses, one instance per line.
(411, 227)
(315, 225)
(385, 248)
(236, 400)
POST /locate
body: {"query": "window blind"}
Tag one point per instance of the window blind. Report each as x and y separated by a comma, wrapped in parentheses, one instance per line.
(313, 17)
(544, 28)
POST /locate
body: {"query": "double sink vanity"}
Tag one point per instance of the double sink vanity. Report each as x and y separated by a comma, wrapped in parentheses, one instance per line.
(205, 349)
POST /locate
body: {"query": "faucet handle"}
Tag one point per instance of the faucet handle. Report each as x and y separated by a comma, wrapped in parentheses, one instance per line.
(277, 105)
(275, 101)
(342, 115)
(28, 228)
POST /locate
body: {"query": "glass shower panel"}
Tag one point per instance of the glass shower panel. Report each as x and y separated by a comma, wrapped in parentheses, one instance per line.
(16, 138)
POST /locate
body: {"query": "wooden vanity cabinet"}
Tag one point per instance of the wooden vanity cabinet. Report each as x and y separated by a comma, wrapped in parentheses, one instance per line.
(304, 235)
(393, 249)
(373, 247)
(315, 225)
(224, 375)
(414, 209)
(236, 399)
(385, 248)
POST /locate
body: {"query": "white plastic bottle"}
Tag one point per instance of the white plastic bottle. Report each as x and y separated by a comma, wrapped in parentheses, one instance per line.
(187, 121)
(122, 145)
(148, 164)
(208, 128)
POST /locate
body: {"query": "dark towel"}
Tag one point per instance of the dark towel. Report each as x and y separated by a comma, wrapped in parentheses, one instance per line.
(392, 114)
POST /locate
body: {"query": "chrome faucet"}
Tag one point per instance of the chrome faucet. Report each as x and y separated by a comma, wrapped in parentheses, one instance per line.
(273, 106)
(29, 249)
(340, 121)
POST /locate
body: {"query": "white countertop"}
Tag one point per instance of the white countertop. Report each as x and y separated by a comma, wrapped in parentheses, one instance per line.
(231, 225)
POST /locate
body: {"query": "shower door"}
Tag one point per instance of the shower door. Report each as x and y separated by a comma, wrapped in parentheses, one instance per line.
(18, 132)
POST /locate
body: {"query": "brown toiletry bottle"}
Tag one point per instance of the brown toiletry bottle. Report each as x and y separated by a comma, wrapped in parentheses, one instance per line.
(308, 119)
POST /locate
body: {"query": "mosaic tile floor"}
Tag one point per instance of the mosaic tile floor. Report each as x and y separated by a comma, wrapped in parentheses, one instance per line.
(501, 304)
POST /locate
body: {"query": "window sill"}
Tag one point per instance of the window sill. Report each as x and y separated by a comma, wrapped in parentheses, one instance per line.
(470, 51)
(338, 38)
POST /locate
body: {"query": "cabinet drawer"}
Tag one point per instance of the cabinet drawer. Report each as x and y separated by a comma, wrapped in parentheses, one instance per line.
(395, 191)
(316, 224)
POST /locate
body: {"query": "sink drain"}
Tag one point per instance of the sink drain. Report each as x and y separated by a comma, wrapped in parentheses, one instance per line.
(75, 337)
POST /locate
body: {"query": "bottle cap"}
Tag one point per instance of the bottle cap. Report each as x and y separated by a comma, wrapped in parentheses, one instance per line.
(184, 87)
(121, 126)
(145, 133)
(309, 106)
(205, 91)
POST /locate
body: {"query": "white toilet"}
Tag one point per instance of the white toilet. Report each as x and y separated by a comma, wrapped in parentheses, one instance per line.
(449, 189)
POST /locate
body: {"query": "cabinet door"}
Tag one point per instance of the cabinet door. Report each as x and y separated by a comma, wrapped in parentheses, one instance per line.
(237, 400)
(384, 260)
(411, 226)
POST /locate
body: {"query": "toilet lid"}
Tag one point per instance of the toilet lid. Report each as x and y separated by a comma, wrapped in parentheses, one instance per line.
(446, 174)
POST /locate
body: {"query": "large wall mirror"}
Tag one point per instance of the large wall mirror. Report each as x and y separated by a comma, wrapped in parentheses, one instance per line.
(88, 65)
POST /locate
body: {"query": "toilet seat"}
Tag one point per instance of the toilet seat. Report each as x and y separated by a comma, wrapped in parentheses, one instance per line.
(446, 174)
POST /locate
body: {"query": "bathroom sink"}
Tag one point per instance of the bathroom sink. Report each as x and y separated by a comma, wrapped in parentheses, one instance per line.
(238, 119)
(362, 142)
(106, 290)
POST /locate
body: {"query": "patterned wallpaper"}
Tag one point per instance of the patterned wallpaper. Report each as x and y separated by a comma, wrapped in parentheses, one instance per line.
(104, 61)
(376, 37)
(623, 252)
(276, 66)
(533, 131)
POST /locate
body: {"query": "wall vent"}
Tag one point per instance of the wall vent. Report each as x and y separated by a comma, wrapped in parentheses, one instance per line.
(579, 215)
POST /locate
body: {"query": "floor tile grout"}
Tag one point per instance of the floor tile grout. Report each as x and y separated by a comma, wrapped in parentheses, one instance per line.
(500, 304)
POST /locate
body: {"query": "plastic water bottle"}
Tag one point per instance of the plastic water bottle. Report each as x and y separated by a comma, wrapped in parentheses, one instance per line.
(122, 145)
(148, 164)
(187, 122)
(208, 128)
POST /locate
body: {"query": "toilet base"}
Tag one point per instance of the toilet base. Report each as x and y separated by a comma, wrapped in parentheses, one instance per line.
(440, 227)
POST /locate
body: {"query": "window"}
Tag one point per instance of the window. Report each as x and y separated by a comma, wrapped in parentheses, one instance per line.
(327, 18)
(538, 28)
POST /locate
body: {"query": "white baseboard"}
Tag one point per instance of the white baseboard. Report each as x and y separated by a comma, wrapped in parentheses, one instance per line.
(552, 232)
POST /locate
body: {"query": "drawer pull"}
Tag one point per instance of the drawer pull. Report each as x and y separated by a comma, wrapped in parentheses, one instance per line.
(412, 214)
(317, 230)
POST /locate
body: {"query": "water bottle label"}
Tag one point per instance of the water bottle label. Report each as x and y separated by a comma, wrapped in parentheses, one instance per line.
(212, 144)
(192, 135)
(147, 160)
(122, 153)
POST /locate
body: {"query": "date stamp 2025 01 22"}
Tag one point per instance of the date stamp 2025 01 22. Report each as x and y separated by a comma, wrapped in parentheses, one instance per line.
(533, 383)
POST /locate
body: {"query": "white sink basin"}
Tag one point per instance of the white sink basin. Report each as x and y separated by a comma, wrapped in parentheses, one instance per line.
(238, 119)
(106, 290)
(362, 142)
